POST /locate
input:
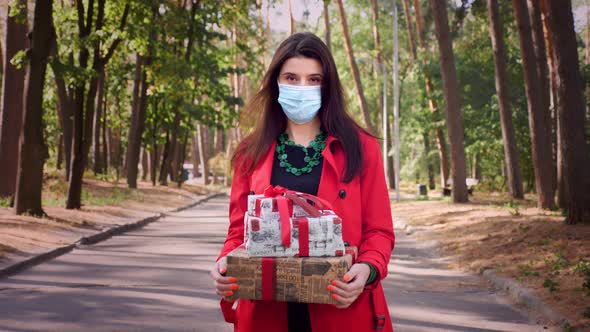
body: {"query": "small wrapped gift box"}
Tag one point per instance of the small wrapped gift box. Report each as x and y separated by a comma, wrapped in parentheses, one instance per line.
(287, 279)
(321, 236)
(283, 223)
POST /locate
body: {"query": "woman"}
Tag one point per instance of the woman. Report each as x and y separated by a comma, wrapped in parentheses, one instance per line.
(305, 141)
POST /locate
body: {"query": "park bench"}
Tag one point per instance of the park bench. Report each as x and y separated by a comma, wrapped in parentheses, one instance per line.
(470, 182)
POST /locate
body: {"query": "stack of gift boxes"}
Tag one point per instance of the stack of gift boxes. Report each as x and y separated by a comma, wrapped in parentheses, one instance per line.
(291, 252)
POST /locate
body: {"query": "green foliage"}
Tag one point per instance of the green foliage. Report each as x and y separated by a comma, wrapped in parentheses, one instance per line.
(4, 202)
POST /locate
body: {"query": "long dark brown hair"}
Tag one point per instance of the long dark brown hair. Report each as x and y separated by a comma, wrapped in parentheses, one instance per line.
(271, 120)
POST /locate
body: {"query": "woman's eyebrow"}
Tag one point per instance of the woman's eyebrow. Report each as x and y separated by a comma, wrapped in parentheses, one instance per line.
(290, 73)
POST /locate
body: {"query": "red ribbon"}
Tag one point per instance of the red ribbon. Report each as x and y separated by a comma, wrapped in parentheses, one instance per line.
(268, 278)
(285, 199)
(303, 237)
(285, 211)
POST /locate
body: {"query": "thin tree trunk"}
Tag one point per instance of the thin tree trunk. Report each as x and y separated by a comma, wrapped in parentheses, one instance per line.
(431, 183)
(576, 165)
(538, 116)
(11, 108)
(228, 153)
(439, 133)
(60, 152)
(291, 26)
(182, 159)
(163, 178)
(65, 112)
(33, 151)
(508, 137)
(354, 69)
(145, 164)
(176, 165)
(411, 39)
(451, 92)
(105, 111)
(327, 24)
(218, 140)
(203, 138)
(98, 162)
(195, 154)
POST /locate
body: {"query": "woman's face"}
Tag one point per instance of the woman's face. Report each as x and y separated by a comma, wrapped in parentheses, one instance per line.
(301, 71)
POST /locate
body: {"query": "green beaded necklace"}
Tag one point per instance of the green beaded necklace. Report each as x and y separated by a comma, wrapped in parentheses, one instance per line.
(317, 145)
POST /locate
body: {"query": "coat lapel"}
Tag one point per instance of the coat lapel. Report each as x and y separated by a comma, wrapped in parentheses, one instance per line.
(330, 179)
(261, 174)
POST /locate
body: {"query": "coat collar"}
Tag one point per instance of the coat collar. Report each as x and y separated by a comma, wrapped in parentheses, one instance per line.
(332, 169)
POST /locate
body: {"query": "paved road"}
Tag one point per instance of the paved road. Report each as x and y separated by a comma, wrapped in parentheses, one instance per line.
(156, 279)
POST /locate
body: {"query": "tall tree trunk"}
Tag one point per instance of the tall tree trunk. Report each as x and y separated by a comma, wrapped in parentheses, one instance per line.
(576, 165)
(64, 110)
(508, 136)
(542, 71)
(355, 70)
(451, 92)
(134, 140)
(439, 133)
(145, 164)
(154, 157)
(228, 155)
(60, 152)
(218, 140)
(431, 183)
(164, 167)
(411, 39)
(33, 151)
(195, 154)
(11, 107)
(291, 26)
(555, 151)
(203, 137)
(176, 164)
(98, 162)
(327, 24)
(538, 116)
(105, 156)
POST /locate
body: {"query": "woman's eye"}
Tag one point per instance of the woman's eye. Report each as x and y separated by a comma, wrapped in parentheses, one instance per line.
(316, 80)
(291, 78)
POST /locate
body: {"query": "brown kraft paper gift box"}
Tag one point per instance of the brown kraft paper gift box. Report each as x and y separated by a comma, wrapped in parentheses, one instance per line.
(286, 279)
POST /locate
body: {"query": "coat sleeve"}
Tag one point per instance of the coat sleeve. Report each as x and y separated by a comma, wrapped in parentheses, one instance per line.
(238, 205)
(377, 238)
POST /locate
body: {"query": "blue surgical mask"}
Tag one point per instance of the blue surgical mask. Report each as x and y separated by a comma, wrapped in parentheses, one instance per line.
(300, 103)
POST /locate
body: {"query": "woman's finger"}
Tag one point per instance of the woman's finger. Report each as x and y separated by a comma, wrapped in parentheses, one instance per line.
(342, 292)
(226, 287)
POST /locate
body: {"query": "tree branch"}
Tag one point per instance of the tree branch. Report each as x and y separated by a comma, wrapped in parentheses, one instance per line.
(117, 41)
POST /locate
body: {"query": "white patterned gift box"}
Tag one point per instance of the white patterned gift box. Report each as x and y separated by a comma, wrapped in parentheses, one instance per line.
(321, 237)
(266, 207)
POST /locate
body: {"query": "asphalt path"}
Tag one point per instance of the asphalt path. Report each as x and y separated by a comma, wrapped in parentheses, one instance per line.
(157, 279)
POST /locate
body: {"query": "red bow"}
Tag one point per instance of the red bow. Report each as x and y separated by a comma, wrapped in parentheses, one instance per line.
(284, 197)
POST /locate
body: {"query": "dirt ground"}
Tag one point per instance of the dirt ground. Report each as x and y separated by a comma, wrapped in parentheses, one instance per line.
(516, 239)
(105, 204)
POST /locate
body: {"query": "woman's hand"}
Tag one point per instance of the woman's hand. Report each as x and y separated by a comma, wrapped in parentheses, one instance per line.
(346, 292)
(223, 285)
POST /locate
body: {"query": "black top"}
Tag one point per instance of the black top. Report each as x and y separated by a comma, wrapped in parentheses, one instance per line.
(297, 313)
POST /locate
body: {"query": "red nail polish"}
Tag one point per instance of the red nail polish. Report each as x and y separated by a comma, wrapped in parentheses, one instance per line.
(334, 282)
(232, 279)
(229, 293)
(234, 286)
(346, 277)
(330, 288)
(335, 297)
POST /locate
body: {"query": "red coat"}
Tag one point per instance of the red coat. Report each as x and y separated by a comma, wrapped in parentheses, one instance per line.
(363, 204)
